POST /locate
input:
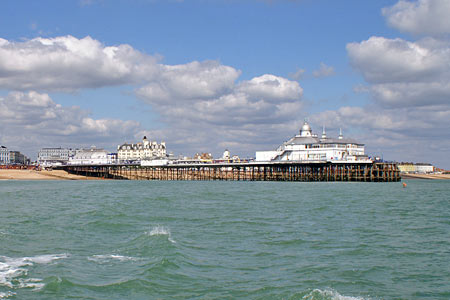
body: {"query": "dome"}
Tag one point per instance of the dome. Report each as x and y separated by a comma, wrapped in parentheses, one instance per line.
(226, 154)
(305, 130)
(306, 127)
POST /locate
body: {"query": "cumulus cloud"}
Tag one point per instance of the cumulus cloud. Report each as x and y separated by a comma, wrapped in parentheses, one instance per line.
(402, 72)
(245, 113)
(403, 134)
(32, 120)
(199, 103)
(323, 71)
(263, 99)
(195, 80)
(67, 63)
(382, 60)
(410, 84)
(429, 17)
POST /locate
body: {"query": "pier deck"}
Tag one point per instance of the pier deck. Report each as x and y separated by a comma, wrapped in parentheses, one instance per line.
(252, 171)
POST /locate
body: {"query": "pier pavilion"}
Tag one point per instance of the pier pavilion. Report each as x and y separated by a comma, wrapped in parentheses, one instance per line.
(307, 146)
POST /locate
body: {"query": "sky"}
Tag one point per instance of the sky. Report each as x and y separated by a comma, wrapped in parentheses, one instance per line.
(210, 75)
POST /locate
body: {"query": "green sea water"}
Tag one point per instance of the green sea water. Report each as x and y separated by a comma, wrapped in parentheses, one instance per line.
(224, 240)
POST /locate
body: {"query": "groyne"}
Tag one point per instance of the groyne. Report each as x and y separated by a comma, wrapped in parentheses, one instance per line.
(251, 171)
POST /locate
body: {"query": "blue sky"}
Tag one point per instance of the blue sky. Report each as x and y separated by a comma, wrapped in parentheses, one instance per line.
(303, 46)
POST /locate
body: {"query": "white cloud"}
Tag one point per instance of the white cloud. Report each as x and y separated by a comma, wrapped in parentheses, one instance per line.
(402, 72)
(67, 63)
(271, 88)
(323, 71)
(402, 134)
(297, 75)
(246, 112)
(395, 60)
(195, 80)
(200, 103)
(410, 84)
(32, 120)
(429, 17)
(263, 99)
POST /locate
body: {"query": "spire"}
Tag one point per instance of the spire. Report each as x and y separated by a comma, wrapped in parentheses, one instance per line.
(340, 134)
(324, 134)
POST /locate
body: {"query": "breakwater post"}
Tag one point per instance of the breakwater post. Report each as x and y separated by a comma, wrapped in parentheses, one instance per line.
(252, 171)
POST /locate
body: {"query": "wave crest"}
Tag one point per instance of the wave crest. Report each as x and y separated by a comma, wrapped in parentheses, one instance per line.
(109, 257)
(13, 268)
(6, 295)
(161, 230)
(318, 294)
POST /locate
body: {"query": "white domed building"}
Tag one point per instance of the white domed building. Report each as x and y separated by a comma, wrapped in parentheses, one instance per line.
(307, 146)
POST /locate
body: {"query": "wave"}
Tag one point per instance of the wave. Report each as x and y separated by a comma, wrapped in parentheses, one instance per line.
(13, 269)
(56, 284)
(6, 295)
(109, 257)
(161, 230)
(329, 294)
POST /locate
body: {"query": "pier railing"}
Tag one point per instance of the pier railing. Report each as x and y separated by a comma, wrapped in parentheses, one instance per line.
(253, 171)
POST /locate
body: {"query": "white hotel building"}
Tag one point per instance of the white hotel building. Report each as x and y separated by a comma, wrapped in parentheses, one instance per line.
(307, 146)
(139, 151)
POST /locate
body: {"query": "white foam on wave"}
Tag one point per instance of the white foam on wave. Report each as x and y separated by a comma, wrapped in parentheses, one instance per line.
(45, 259)
(13, 268)
(35, 283)
(317, 294)
(109, 257)
(161, 230)
(6, 295)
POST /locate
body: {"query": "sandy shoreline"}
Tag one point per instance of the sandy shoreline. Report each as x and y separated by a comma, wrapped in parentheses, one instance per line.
(425, 176)
(11, 174)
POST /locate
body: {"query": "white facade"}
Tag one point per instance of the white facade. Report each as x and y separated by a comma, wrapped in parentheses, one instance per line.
(54, 156)
(416, 168)
(92, 156)
(145, 150)
(155, 162)
(307, 146)
(424, 168)
(4, 155)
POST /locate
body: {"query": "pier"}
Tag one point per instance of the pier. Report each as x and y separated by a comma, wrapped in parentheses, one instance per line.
(251, 171)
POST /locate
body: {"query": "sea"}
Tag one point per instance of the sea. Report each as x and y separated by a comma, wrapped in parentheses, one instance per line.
(224, 240)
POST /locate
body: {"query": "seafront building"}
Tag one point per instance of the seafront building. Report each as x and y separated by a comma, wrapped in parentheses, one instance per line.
(55, 156)
(307, 146)
(421, 168)
(17, 158)
(92, 156)
(147, 150)
(9, 157)
(4, 155)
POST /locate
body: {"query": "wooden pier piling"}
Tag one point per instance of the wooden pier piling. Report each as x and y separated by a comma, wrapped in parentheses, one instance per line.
(253, 171)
